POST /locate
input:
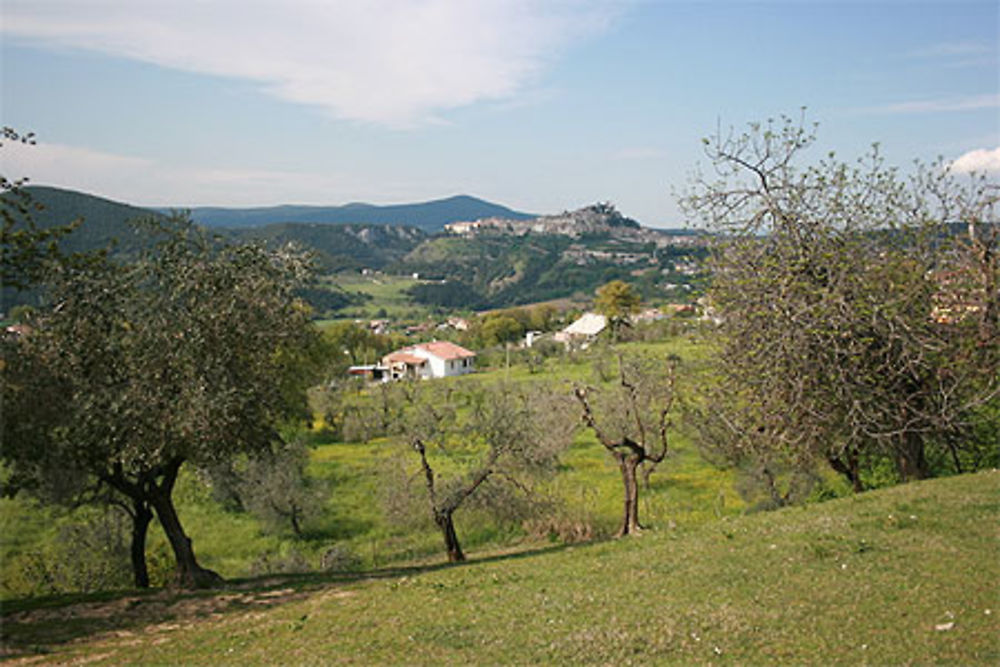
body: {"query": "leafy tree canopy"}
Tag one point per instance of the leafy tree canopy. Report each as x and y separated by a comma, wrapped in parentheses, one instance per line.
(617, 300)
(193, 353)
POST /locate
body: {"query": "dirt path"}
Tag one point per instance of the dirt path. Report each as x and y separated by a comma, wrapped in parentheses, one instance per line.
(28, 635)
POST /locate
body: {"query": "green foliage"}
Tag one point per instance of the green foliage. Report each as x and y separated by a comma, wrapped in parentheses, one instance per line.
(352, 344)
(452, 294)
(489, 438)
(325, 300)
(340, 558)
(90, 554)
(194, 352)
(497, 271)
(499, 329)
(273, 486)
(287, 561)
(617, 301)
(582, 500)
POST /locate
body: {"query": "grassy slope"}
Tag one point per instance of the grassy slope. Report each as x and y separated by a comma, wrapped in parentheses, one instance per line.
(899, 575)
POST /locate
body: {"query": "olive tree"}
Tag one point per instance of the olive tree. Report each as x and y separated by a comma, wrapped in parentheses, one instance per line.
(829, 280)
(631, 419)
(477, 444)
(194, 353)
(272, 485)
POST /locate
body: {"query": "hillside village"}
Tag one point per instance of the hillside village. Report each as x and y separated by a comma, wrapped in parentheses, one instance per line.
(599, 218)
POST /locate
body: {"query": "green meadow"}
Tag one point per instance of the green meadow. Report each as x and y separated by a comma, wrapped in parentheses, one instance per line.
(684, 491)
(897, 576)
(385, 294)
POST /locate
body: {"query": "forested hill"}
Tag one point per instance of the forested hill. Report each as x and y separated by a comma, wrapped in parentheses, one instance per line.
(341, 247)
(430, 216)
(108, 224)
(104, 221)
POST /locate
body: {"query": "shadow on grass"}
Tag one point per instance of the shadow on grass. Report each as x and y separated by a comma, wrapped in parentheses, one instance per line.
(37, 626)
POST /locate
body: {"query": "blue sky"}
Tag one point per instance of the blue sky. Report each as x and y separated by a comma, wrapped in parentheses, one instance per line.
(542, 106)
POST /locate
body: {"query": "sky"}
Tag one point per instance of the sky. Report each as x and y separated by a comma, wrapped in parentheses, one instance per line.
(540, 106)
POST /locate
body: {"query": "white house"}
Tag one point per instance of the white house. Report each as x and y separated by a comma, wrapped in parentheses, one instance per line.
(429, 360)
(583, 331)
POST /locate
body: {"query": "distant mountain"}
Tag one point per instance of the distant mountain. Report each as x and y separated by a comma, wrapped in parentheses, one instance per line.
(107, 223)
(509, 258)
(430, 216)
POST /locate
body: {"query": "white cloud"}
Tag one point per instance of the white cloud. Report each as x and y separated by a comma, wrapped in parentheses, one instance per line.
(957, 54)
(393, 62)
(982, 160)
(54, 164)
(147, 182)
(941, 105)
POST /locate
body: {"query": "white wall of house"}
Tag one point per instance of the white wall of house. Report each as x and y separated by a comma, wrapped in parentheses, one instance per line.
(438, 368)
(459, 366)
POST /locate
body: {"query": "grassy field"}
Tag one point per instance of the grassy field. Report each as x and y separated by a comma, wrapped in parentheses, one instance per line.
(897, 576)
(388, 296)
(685, 492)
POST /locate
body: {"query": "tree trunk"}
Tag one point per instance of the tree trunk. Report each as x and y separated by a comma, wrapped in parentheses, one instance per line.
(447, 525)
(910, 460)
(141, 516)
(647, 471)
(850, 469)
(953, 448)
(189, 573)
(630, 482)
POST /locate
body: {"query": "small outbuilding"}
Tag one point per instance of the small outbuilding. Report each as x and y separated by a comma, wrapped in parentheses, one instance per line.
(583, 331)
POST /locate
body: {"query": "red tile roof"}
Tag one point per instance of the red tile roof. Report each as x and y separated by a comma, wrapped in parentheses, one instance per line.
(446, 350)
(402, 356)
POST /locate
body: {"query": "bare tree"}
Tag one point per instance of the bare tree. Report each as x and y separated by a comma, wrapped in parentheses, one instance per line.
(631, 421)
(832, 347)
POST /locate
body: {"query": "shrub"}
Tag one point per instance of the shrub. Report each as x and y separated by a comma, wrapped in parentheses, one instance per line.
(340, 558)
